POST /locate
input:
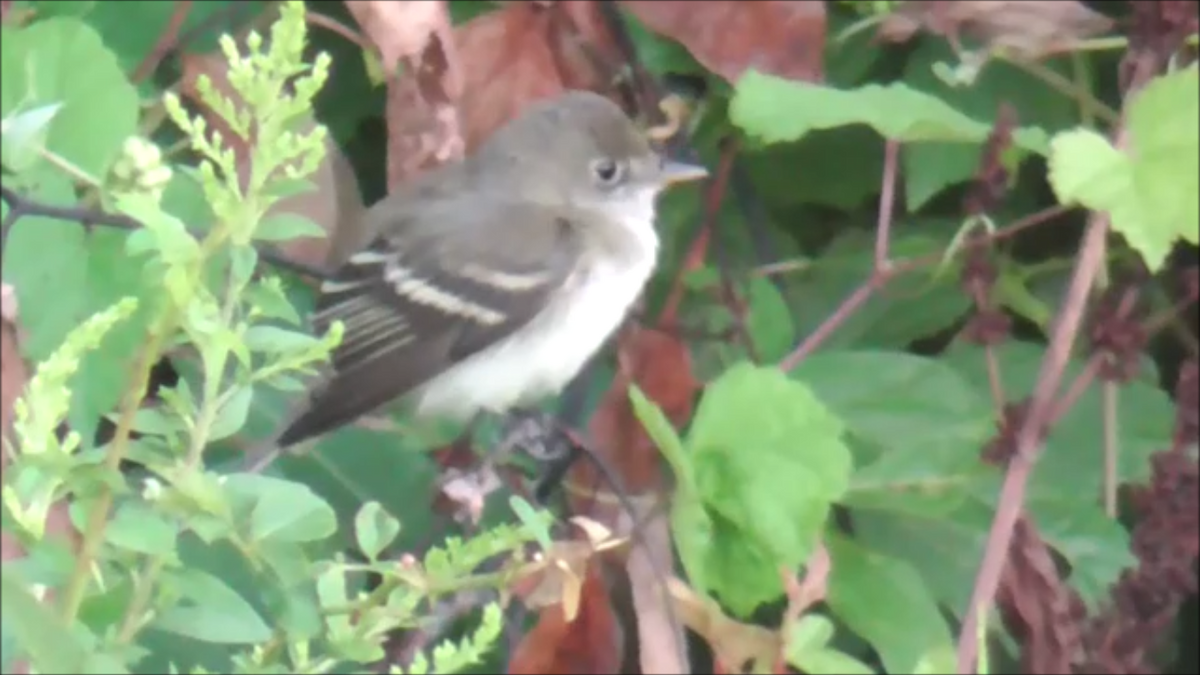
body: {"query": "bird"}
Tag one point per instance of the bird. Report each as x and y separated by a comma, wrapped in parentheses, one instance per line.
(488, 283)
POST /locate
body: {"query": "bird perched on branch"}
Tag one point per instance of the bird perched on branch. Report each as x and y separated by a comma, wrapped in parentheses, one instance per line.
(490, 282)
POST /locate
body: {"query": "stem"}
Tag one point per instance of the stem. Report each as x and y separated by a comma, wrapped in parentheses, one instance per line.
(93, 534)
(1088, 103)
(143, 592)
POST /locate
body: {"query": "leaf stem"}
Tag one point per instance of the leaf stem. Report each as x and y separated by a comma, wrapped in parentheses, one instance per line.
(93, 533)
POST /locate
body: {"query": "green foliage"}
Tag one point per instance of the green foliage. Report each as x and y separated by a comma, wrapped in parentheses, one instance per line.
(771, 110)
(229, 561)
(757, 498)
(190, 565)
(1149, 189)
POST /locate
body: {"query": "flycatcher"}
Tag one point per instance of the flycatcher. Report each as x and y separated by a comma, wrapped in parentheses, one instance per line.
(490, 282)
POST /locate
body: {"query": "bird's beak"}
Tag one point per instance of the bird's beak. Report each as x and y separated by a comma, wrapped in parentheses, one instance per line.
(674, 172)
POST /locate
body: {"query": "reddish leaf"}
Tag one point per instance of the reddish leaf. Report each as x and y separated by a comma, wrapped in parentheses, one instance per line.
(592, 643)
(728, 37)
(423, 95)
(662, 368)
(524, 52)
(1029, 28)
(399, 30)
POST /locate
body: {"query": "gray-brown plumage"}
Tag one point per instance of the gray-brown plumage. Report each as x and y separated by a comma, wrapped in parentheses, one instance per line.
(490, 282)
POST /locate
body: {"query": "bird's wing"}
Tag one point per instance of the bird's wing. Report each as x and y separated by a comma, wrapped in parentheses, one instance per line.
(421, 300)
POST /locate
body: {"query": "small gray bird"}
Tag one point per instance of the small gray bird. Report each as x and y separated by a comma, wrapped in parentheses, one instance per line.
(492, 281)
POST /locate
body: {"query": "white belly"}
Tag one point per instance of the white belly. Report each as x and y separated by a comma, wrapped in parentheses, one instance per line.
(540, 359)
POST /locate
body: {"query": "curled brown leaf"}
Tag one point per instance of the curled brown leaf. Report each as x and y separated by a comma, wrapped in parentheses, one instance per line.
(728, 37)
(1030, 28)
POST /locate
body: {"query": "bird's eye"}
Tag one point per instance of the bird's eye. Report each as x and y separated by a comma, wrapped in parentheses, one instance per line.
(607, 171)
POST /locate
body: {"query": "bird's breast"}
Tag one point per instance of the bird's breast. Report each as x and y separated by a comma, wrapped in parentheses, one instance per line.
(542, 357)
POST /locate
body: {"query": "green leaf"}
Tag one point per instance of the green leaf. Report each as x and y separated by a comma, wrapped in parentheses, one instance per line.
(929, 168)
(231, 416)
(917, 422)
(69, 275)
(285, 226)
(1164, 129)
(1149, 191)
(755, 474)
(40, 633)
(914, 306)
(774, 109)
(136, 526)
(1073, 451)
(662, 432)
(23, 133)
(374, 529)
(769, 321)
(46, 261)
(885, 601)
(806, 648)
(64, 61)
(833, 662)
(272, 339)
(1096, 547)
(211, 611)
(281, 510)
(945, 550)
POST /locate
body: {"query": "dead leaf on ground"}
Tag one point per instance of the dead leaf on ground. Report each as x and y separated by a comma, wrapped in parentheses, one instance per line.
(781, 38)
(1030, 28)
(335, 204)
(590, 643)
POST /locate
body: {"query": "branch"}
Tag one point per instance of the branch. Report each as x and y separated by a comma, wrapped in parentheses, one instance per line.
(19, 206)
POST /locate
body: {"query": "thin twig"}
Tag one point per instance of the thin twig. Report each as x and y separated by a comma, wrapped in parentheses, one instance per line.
(20, 206)
(881, 274)
(1012, 494)
(166, 42)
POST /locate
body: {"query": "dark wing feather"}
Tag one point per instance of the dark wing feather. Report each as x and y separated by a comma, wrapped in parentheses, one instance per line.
(420, 300)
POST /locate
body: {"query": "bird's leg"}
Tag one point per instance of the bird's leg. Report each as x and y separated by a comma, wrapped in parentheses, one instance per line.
(539, 436)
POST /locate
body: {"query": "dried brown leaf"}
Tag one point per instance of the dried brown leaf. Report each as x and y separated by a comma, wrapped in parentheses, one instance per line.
(1029, 28)
(590, 643)
(525, 52)
(728, 37)
(424, 92)
(399, 29)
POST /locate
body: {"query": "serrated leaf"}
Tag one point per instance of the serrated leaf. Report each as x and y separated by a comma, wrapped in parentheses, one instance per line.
(755, 474)
(774, 109)
(918, 424)
(1148, 191)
